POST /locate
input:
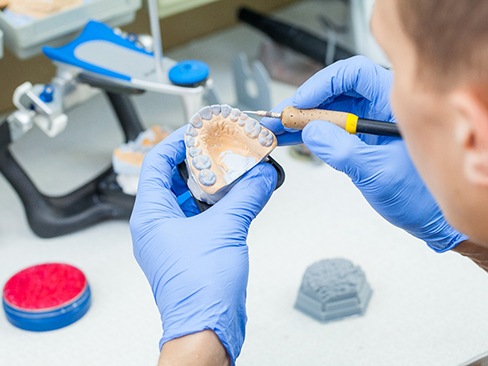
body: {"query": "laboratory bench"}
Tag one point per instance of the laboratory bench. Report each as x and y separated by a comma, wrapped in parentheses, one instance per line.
(426, 308)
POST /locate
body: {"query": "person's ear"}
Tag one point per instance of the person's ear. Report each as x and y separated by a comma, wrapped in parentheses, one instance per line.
(471, 115)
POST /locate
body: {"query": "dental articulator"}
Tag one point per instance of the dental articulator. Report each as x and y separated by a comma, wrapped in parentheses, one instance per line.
(222, 143)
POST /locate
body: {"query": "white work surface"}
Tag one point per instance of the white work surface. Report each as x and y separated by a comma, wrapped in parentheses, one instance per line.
(426, 308)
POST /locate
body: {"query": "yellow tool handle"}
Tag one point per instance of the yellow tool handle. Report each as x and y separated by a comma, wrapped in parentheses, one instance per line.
(298, 118)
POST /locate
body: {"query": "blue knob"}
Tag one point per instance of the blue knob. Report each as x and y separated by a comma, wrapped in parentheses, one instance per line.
(47, 94)
(189, 73)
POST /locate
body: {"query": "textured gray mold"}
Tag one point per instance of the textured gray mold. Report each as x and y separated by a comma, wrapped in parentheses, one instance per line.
(333, 289)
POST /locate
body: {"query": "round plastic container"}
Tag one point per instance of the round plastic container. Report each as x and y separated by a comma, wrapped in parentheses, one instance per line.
(46, 297)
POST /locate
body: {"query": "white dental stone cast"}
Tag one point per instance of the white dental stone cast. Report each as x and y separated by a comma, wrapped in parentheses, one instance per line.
(191, 131)
(265, 138)
(196, 121)
(234, 114)
(242, 120)
(189, 141)
(194, 151)
(215, 109)
(252, 128)
(225, 110)
(207, 177)
(206, 113)
(201, 162)
(219, 150)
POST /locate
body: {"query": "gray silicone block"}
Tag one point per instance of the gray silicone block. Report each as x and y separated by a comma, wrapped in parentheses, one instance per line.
(333, 289)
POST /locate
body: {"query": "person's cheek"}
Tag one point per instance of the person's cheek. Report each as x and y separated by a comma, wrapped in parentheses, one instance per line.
(404, 109)
(401, 104)
(395, 102)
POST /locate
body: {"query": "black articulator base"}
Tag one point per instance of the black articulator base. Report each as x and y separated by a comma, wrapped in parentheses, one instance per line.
(97, 200)
(202, 206)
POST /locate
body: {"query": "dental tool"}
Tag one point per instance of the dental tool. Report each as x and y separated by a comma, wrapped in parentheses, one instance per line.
(295, 118)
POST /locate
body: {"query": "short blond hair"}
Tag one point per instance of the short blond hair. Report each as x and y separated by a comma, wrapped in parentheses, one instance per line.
(450, 37)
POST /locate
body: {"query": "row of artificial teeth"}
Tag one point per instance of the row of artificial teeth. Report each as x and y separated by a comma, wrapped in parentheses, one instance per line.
(203, 163)
(252, 128)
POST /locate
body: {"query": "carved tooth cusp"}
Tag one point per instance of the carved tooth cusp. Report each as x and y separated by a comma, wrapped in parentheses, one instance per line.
(265, 138)
(201, 162)
(225, 110)
(264, 132)
(190, 141)
(252, 128)
(194, 151)
(191, 131)
(215, 109)
(206, 113)
(196, 120)
(207, 178)
(234, 114)
(242, 120)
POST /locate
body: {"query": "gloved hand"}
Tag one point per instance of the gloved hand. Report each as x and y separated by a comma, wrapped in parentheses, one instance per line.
(379, 166)
(197, 266)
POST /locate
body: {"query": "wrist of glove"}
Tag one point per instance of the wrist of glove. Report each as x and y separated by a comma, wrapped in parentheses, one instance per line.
(438, 234)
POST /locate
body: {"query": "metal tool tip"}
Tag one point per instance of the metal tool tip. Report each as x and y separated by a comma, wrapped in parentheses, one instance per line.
(264, 114)
(253, 112)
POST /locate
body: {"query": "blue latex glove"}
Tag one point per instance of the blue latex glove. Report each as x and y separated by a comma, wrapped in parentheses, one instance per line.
(197, 266)
(379, 166)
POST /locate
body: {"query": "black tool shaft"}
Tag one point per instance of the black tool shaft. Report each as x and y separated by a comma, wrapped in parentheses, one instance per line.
(377, 127)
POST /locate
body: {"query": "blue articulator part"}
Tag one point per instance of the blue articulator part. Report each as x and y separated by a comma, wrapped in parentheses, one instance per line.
(94, 34)
(189, 73)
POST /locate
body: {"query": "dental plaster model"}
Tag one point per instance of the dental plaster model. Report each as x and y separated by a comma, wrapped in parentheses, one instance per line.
(127, 158)
(41, 8)
(333, 289)
(222, 144)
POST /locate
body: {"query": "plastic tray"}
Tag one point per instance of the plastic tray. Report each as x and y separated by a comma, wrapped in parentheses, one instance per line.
(26, 40)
